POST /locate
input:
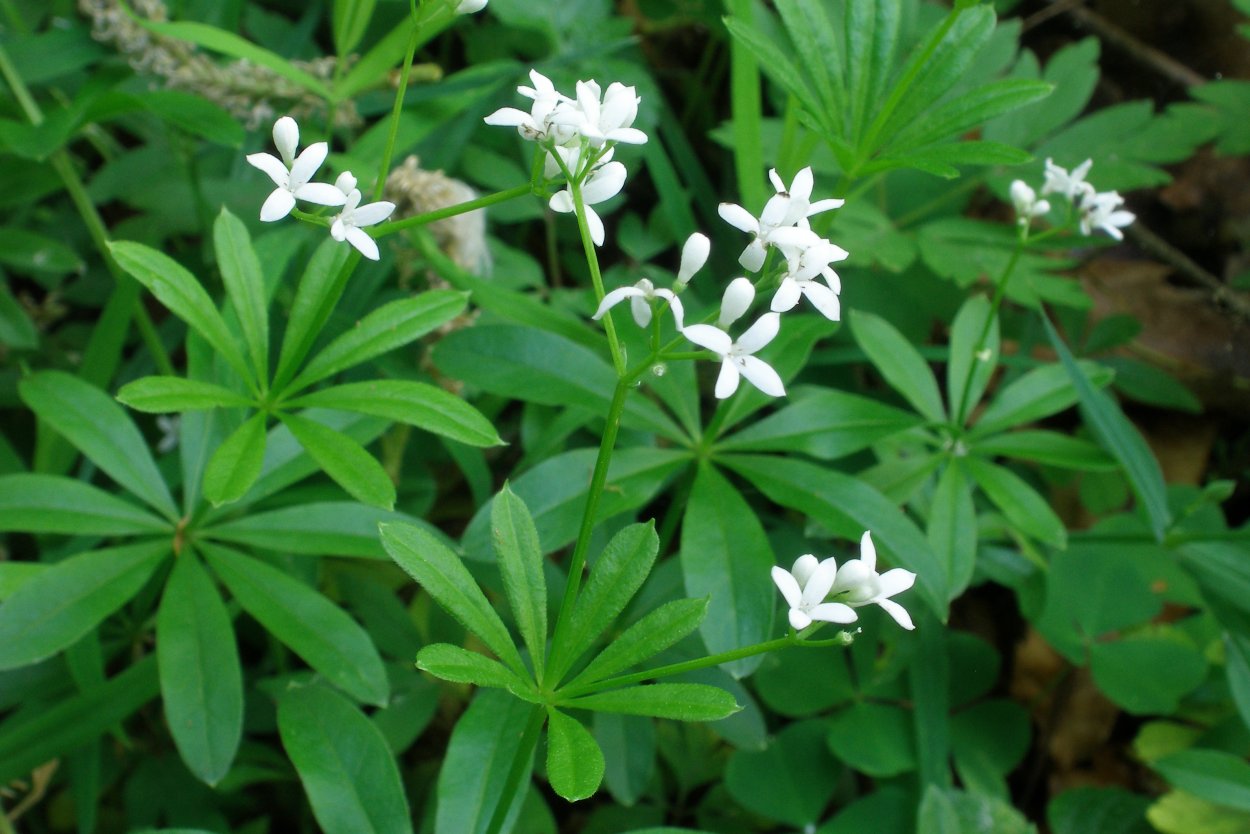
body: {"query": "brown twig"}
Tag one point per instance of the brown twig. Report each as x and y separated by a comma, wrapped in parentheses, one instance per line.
(1223, 295)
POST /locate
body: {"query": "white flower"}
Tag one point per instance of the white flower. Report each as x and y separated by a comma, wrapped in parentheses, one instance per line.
(805, 587)
(1070, 185)
(603, 183)
(640, 296)
(1026, 203)
(470, 6)
(347, 225)
(807, 256)
(736, 301)
(292, 174)
(786, 208)
(536, 125)
(1102, 211)
(603, 117)
(170, 425)
(736, 357)
(858, 583)
(693, 256)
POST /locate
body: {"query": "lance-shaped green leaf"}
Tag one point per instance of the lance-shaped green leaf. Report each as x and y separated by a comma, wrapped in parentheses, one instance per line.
(171, 394)
(417, 404)
(201, 680)
(899, 362)
(318, 292)
(322, 528)
(1039, 393)
(62, 603)
(101, 429)
(574, 761)
(448, 581)
(344, 763)
(1048, 447)
(236, 464)
(1214, 775)
(967, 373)
(655, 632)
(316, 629)
(386, 328)
(459, 665)
(344, 460)
(679, 701)
(351, 19)
(953, 528)
(178, 290)
(617, 575)
(56, 504)
(1118, 436)
(521, 565)
(240, 272)
(1019, 502)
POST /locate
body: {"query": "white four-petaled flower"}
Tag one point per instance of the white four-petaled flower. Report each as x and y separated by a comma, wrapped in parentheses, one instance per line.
(1070, 184)
(858, 583)
(788, 207)
(805, 587)
(1102, 210)
(291, 174)
(808, 255)
(1026, 203)
(640, 296)
(737, 357)
(347, 225)
(538, 125)
(603, 116)
(604, 182)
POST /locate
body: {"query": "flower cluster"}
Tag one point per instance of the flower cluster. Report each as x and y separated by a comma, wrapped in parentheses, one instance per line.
(293, 174)
(1098, 209)
(578, 134)
(818, 590)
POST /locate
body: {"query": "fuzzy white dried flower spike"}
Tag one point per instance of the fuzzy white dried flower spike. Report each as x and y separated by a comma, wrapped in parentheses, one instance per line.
(603, 116)
(347, 225)
(1026, 203)
(805, 587)
(1102, 211)
(737, 357)
(1070, 184)
(536, 125)
(291, 174)
(858, 583)
(808, 256)
(470, 6)
(603, 183)
(788, 207)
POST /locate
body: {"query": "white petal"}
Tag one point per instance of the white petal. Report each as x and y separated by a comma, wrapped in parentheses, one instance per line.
(272, 166)
(737, 300)
(277, 205)
(760, 374)
(346, 182)
(801, 188)
(739, 218)
(853, 576)
(779, 185)
(562, 201)
(366, 245)
(898, 612)
(824, 205)
(321, 193)
(679, 315)
(752, 258)
(641, 309)
(707, 336)
(804, 567)
(727, 381)
(760, 334)
(896, 581)
(286, 137)
(508, 117)
(308, 163)
(799, 620)
(628, 135)
(613, 298)
(868, 551)
(818, 585)
(823, 299)
(775, 211)
(604, 184)
(595, 226)
(373, 213)
(338, 229)
(787, 295)
(693, 256)
(788, 585)
(834, 612)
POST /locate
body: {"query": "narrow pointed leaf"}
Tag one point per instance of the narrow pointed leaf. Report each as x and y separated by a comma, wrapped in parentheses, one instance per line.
(201, 679)
(236, 464)
(899, 362)
(967, 373)
(322, 528)
(448, 581)
(55, 504)
(319, 290)
(316, 629)
(240, 272)
(574, 761)
(101, 429)
(344, 460)
(417, 404)
(59, 605)
(1019, 502)
(179, 290)
(953, 528)
(344, 763)
(655, 632)
(458, 665)
(521, 564)
(679, 701)
(172, 394)
(1039, 393)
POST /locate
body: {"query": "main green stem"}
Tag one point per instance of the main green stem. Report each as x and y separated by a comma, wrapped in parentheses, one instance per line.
(596, 277)
(385, 168)
(519, 770)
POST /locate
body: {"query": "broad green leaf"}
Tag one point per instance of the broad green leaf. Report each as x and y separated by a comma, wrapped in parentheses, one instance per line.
(1019, 502)
(892, 751)
(245, 286)
(55, 504)
(974, 352)
(970, 110)
(952, 529)
(351, 19)
(102, 430)
(320, 288)
(1117, 669)
(16, 329)
(1237, 668)
(848, 507)
(616, 576)
(574, 760)
(389, 327)
(169, 394)
(323, 528)
(629, 754)
(1180, 812)
(26, 744)
(652, 634)
(194, 114)
(179, 290)
(62, 603)
(458, 665)
(344, 460)
(316, 629)
(484, 746)
(444, 577)
(899, 362)
(995, 731)
(818, 51)
(726, 556)
(417, 404)
(29, 252)
(14, 575)
(679, 701)
(1091, 810)
(870, 31)
(1048, 447)
(821, 422)
(791, 780)
(343, 761)
(521, 564)
(1212, 775)
(1118, 436)
(236, 464)
(1039, 393)
(201, 680)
